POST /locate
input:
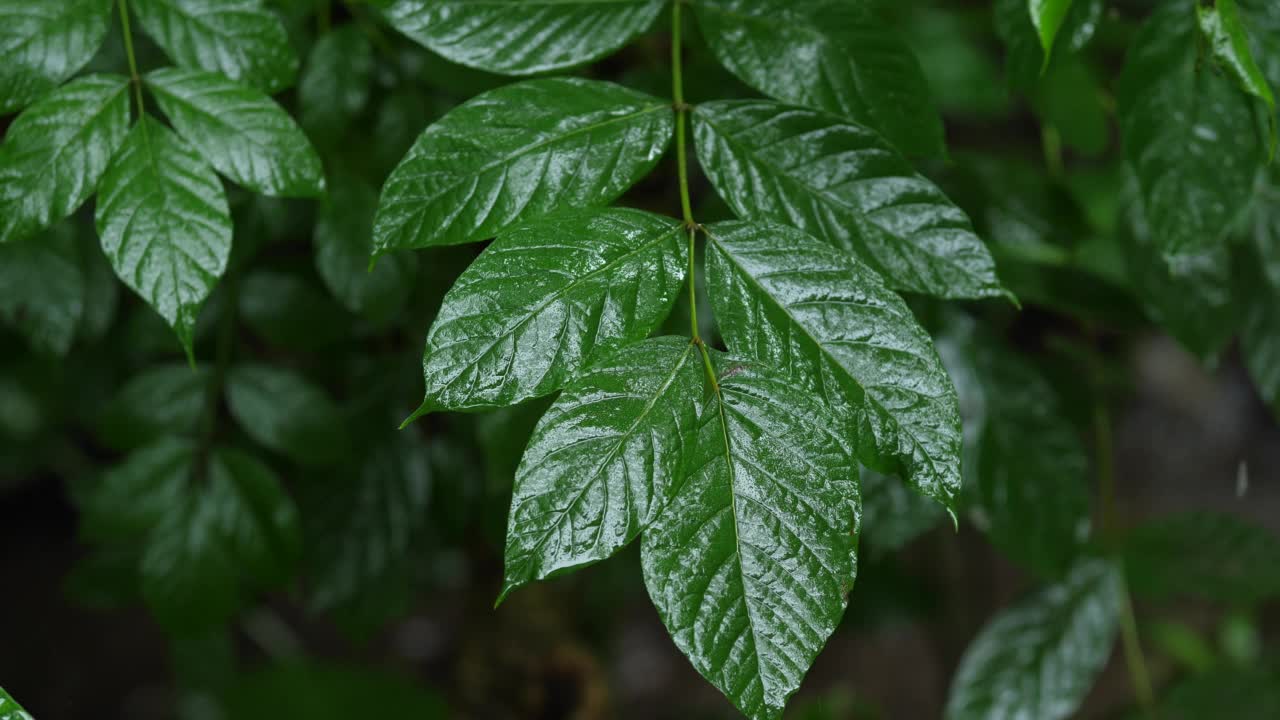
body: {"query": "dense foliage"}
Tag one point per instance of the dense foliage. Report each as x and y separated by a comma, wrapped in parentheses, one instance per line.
(746, 300)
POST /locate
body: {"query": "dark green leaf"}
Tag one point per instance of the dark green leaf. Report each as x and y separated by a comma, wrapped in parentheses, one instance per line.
(1262, 18)
(240, 131)
(133, 497)
(259, 522)
(1260, 334)
(165, 400)
(521, 37)
(841, 183)
(829, 321)
(751, 565)
(603, 461)
(238, 38)
(836, 56)
(1226, 692)
(1039, 658)
(1214, 555)
(322, 692)
(289, 310)
(1027, 57)
(284, 412)
(42, 291)
(44, 42)
(545, 296)
(1229, 40)
(518, 152)
(894, 514)
(10, 709)
(163, 218)
(55, 153)
(335, 84)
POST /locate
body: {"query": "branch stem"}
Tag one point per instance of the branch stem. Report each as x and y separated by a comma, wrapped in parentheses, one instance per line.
(134, 77)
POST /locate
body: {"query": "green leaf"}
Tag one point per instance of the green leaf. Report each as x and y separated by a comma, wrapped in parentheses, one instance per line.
(325, 692)
(55, 153)
(42, 289)
(1224, 692)
(134, 497)
(840, 57)
(829, 321)
(164, 400)
(257, 518)
(1260, 286)
(244, 134)
(751, 565)
(164, 222)
(1047, 16)
(10, 709)
(841, 183)
(335, 83)
(518, 152)
(1262, 19)
(343, 240)
(1229, 40)
(289, 310)
(543, 297)
(1039, 658)
(1213, 555)
(894, 514)
(1189, 135)
(44, 42)
(238, 38)
(1027, 57)
(284, 412)
(521, 37)
(603, 461)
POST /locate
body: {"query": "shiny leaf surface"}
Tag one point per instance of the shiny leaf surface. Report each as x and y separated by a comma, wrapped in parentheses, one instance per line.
(841, 183)
(1228, 39)
(518, 152)
(521, 37)
(244, 134)
(10, 709)
(829, 321)
(544, 297)
(751, 564)
(1047, 16)
(603, 461)
(44, 42)
(283, 411)
(830, 55)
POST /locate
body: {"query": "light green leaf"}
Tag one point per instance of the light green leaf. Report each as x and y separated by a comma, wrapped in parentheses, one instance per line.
(829, 321)
(1213, 555)
(751, 565)
(603, 461)
(521, 37)
(42, 289)
(335, 83)
(238, 38)
(244, 134)
(55, 153)
(543, 298)
(10, 709)
(163, 218)
(519, 152)
(1229, 40)
(164, 400)
(841, 183)
(841, 57)
(44, 42)
(1047, 16)
(286, 413)
(1039, 658)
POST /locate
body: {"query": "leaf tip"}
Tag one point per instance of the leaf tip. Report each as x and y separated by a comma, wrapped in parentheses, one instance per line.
(423, 409)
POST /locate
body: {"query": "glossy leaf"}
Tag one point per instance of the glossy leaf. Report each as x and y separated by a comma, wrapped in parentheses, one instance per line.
(163, 218)
(241, 39)
(336, 82)
(55, 153)
(1262, 19)
(841, 57)
(164, 400)
(1221, 25)
(283, 411)
(841, 183)
(521, 37)
(1027, 57)
(603, 461)
(42, 289)
(1039, 658)
(44, 42)
(1213, 555)
(244, 134)
(10, 709)
(543, 298)
(1047, 16)
(751, 565)
(829, 321)
(516, 153)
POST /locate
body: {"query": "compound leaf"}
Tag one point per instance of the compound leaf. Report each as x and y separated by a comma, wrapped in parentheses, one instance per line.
(521, 37)
(602, 463)
(842, 183)
(518, 152)
(751, 564)
(545, 296)
(286, 413)
(44, 42)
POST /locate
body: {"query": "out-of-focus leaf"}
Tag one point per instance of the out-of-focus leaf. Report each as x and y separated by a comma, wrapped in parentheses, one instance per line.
(1223, 693)
(1070, 99)
(44, 42)
(324, 692)
(10, 709)
(287, 310)
(286, 413)
(1214, 555)
(894, 514)
(1229, 40)
(42, 290)
(164, 400)
(335, 83)
(1027, 56)
(1047, 17)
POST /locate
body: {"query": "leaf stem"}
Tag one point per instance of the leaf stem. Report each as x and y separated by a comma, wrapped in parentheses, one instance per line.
(682, 109)
(1133, 657)
(134, 77)
(693, 285)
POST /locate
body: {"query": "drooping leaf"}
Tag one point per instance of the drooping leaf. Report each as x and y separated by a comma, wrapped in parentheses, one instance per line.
(10, 709)
(1221, 25)
(1213, 555)
(42, 291)
(43, 43)
(841, 183)
(1047, 16)
(330, 692)
(841, 57)
(521, 37)
(55, 153)
(164, 400)
(335, 83)
(1039, 658)
(241, 39)
(518, 152)
(1027, 57)
(1189, 135)
(286, 413)
(543, 298)
(751, 564)
(164, 222)
(244, 134)
(603, 461)
(829, 321)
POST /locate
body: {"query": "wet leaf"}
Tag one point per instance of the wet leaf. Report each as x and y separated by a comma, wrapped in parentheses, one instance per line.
(44, 42)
